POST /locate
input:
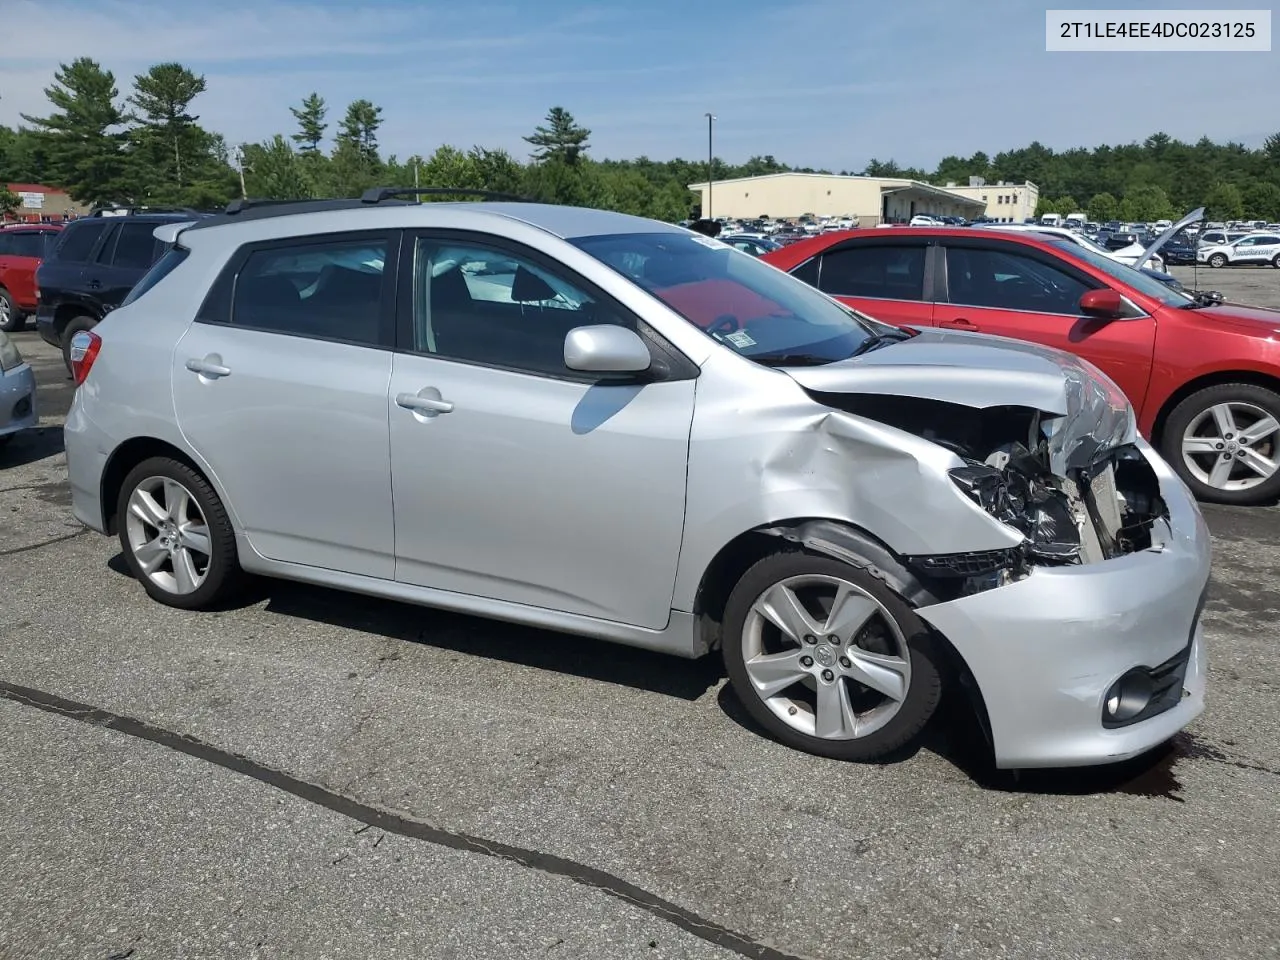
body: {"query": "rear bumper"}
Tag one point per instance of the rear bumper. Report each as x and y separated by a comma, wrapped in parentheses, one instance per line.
(17, 400)
(44, 326)
(1045, 650)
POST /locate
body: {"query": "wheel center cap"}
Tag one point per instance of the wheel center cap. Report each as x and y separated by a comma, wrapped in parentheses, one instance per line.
(825, 655)
(1232, 446)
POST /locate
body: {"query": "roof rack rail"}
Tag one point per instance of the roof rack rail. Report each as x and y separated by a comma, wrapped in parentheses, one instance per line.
(378, 194)
(131, 210)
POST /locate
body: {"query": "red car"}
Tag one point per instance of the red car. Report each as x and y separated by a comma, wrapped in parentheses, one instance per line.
(22, 247)
(1203, 375)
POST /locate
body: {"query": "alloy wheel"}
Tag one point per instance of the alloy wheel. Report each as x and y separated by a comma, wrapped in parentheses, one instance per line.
(1232, 446)
(168, 535)
(826, 657)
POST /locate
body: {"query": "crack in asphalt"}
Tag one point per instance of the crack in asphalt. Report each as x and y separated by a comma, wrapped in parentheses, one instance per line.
(390, 822)
(44, 543)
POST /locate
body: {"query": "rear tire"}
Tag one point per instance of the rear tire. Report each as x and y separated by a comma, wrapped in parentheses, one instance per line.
(804, 683)
(175, 535)
(1275, 261)
(11, 318)
(74, 326)
(1228, 419)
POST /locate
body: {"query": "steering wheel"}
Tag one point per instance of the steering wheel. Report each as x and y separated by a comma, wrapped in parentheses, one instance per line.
(726, 322)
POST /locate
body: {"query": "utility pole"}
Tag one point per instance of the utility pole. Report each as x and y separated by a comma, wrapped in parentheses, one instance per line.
(706, 214)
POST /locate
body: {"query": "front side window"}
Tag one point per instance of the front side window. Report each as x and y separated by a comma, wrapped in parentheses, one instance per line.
(480, 304)
(741, 302)
(884, 272)
(332, 291)
(1010, 281)
(1148, 286)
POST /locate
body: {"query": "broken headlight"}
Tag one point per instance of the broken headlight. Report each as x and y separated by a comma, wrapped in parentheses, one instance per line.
(1017, 496)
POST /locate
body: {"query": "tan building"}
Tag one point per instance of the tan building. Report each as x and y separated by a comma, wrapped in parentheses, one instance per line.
(38, 202)
(870, 200)
(1006, 202)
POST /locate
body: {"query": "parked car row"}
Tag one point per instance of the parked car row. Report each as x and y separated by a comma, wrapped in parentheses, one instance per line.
(614, 427)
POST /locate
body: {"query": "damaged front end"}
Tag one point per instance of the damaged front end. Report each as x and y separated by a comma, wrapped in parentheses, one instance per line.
(1078, 493)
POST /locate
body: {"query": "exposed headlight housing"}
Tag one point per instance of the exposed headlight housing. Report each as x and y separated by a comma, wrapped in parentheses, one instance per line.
(9, 355)
(1039, 512)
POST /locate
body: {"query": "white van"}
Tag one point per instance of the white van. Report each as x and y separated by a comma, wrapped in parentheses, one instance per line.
(1051, 220)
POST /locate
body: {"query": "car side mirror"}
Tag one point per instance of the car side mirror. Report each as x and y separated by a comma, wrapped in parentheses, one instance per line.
(1103, 304)
(606, 348)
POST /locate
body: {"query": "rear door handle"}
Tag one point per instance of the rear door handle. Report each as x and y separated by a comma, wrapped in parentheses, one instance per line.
(421, 404)
(94, 284)
(208, 367)
(959, 323)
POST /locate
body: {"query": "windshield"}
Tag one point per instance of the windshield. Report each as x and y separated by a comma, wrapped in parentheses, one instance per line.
(749, 306)
(1146, 285)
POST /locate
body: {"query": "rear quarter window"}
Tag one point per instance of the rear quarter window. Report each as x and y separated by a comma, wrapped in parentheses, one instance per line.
(164, 266)
(78, 241)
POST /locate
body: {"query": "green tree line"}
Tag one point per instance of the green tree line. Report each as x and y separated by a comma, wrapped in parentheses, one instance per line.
(148, 147)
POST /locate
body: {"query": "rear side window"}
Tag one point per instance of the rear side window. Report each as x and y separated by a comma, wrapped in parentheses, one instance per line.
(135, 246)
(332, 291)
(164, 266)
(27, 244)
(884, 272)
(78, 240)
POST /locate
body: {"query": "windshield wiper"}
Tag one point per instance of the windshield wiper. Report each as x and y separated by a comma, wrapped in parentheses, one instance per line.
(879, 340)
(792, 360)
(1203, 298)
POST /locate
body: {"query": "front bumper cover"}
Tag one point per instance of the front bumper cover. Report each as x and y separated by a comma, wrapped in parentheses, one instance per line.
(1044, 650)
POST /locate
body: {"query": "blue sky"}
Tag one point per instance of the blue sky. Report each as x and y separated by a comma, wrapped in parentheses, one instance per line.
(824, 83)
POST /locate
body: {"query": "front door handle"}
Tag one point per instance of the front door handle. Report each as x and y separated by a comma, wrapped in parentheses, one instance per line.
(959, 323)
(421, 404)
(210, 367)
(94, 284)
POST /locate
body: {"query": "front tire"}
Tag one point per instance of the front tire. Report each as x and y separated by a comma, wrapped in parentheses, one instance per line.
(11, 318)
(1224, 441)
(176, 537)
(828, 659)
(1218, 260)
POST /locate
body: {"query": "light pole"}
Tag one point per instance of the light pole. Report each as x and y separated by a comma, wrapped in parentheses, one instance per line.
(711, 118)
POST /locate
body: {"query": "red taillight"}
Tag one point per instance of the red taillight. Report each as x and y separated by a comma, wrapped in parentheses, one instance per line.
(84, 350)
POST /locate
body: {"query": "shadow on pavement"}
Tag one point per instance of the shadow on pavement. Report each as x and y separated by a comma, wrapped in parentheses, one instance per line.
(29, 446)
(480, 637)
(955, 735)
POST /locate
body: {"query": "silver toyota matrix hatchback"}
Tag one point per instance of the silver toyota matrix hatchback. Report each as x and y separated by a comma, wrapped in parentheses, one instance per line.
(618, 428)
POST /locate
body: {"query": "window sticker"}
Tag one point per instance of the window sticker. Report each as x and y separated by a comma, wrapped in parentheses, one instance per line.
(740, 339)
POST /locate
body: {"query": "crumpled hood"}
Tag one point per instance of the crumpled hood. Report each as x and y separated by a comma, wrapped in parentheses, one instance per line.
(1091, 414)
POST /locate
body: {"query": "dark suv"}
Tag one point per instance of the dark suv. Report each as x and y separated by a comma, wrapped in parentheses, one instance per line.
(96, 263)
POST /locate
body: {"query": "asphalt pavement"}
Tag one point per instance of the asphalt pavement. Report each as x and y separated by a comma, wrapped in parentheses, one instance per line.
(313, 774)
